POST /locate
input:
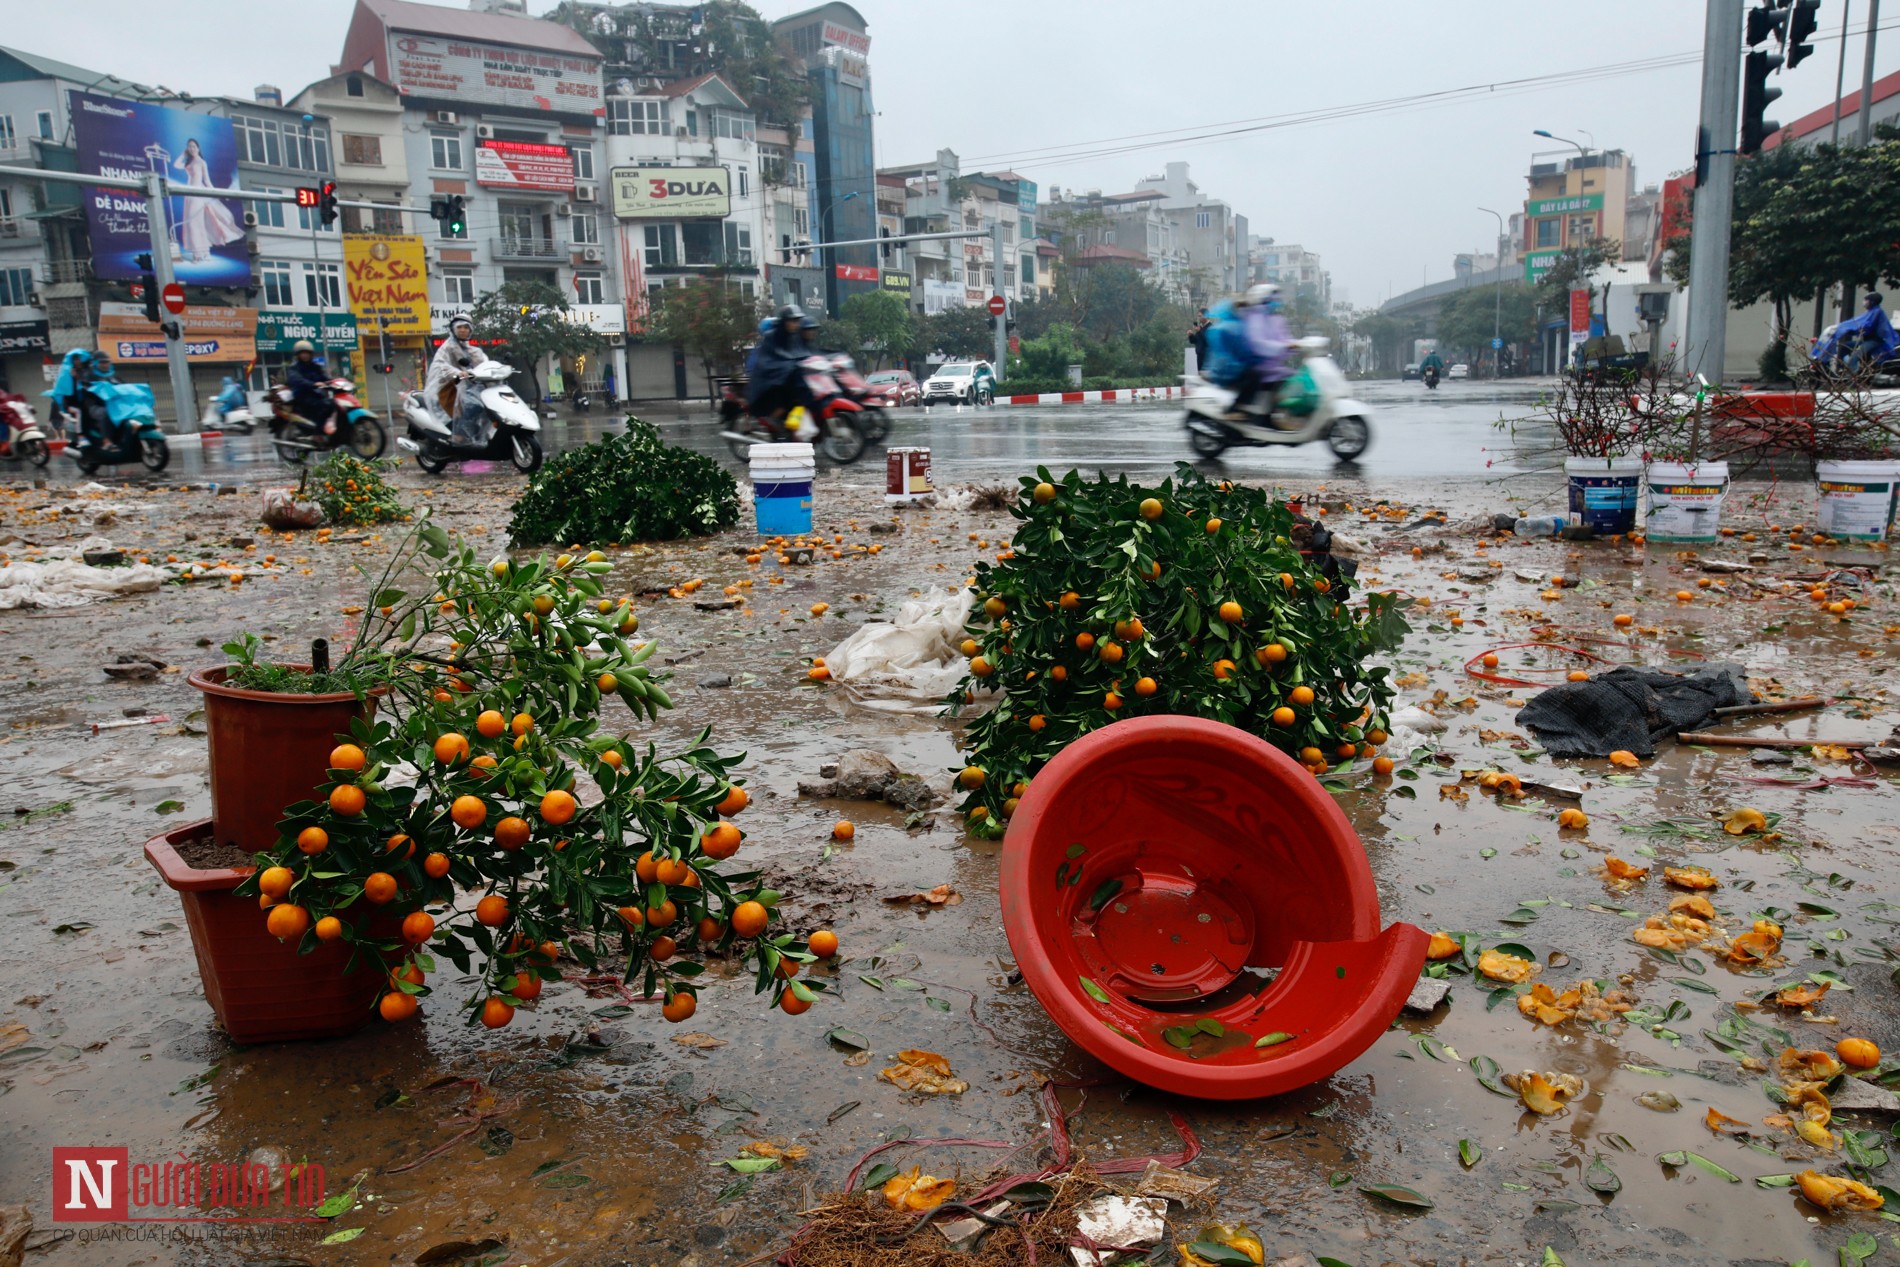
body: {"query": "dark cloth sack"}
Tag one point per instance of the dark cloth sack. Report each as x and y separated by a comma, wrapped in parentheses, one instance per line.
(1630, 709)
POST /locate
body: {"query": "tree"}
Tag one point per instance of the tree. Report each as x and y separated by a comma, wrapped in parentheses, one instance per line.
(709, 319)
(878, 322)
(1468, 318)
(1051, 355)
(963, 332)
(1115, 300)
(529, 319)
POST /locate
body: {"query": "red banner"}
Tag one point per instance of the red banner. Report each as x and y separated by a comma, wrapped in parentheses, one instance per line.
(1580, 312)
(523, 165)
(857, 272)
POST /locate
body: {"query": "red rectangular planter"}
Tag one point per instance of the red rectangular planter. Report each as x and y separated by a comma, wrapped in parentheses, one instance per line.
(262, 990)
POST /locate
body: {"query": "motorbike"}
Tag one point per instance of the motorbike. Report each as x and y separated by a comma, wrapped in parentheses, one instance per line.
(514, 432)
(345, 425)
(229, 410)
(114, 422)
(833, 416)
(1431, 378)
(874, 423)
(1337, 419)
(1850, 350)
(22, 439)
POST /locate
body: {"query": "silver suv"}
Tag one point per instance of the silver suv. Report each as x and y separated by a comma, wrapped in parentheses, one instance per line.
(961, 382)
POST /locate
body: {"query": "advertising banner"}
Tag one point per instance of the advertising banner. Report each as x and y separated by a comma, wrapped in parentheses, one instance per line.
(213, 336)
(1564, 206)
(600, 318)
(939, 295)
(899, 282)
(856, 272)
(386, 276)
(1579, 317)
(671, 193)
(494, 74)
(24, 336)
(520, 165)
(280, 331)
(132, 140)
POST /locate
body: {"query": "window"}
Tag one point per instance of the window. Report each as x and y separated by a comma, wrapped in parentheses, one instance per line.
(301, 146)
(309, 218)
(1548, 232)
(365, 151)
(584, 229)
(746, 288)
(589, 288)
(801, 223)
(307, 147)
(270, 215)
(701, 243)
(745, 182)
(352, 220)
(322, 286)
(15, 283)
(45, 121)
(7, 140)
(1029, 270)
(442, 230)
(628, 116)
(736, 127)
(1582, 227)
(445, 151)
(738, 243)
(1028, 228)
(353, 86)
(1203, 219)
(386, 221)
(692, 123)
(6, 204)
(275, 277)
(458, 287)
(662, 250)
(583, 164)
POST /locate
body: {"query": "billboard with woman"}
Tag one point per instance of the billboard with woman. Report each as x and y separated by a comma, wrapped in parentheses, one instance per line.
(132, 140)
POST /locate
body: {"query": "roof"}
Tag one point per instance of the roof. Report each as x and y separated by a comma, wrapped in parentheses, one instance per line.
(1814, 121)
(494, 28)
(680, 87)
(1112, 255)
(794, 18)
(49, 68)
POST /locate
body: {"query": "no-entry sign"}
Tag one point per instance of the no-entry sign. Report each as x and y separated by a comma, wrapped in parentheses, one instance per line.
(173, 297)
(997, 305)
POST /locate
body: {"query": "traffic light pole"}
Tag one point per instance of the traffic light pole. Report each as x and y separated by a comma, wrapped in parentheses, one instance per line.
(1707, 337)
(157, 217)
(1001, 363)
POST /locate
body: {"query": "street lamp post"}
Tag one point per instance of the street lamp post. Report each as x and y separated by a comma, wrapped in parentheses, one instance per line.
(1497, 308)
(825, 225)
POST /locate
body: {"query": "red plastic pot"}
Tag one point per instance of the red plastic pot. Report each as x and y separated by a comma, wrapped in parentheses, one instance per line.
(267, 750)
(1155, 866)
(261, 989)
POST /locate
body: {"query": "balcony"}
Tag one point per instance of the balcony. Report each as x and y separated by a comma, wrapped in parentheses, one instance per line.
(518, 248)
(65, 272)
(13, 227)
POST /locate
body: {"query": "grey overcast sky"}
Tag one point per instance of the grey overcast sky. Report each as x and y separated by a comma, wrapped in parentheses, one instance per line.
(1386, 198)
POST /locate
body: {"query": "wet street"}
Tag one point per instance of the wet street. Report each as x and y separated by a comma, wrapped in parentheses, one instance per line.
(601, 1132)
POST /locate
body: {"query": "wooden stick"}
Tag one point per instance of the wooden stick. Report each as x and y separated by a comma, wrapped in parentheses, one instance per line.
(1785, 706)
(1712, 740)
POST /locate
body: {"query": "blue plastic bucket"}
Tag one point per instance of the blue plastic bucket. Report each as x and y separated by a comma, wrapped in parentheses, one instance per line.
(779, 516)
(1604, 493)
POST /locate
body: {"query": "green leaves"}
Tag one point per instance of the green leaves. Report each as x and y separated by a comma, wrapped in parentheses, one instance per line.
(1398, 1195)
(628, 487)
(1679, 1159)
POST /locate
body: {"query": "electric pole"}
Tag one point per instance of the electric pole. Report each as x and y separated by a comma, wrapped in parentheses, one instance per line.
(1707, 336)
(157, 218)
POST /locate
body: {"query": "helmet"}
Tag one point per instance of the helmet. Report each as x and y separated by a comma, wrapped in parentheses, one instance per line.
(303, 345)
(460, 319)
(1261, 292)
(765, 326)
(792, 315)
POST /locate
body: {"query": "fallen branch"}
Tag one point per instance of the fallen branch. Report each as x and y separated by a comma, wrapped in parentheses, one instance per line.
(1712, 740)
(1784, 706)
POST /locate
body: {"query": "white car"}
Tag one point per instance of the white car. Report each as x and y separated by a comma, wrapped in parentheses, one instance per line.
(1460, 370)
(961, 382)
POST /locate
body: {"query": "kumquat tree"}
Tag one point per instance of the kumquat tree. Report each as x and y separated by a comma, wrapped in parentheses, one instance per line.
(1119, 601)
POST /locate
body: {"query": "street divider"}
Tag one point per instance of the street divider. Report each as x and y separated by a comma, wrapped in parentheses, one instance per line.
(1109, 396)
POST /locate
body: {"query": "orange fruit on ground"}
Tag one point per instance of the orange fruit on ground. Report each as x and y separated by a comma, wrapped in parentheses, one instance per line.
(512, 832)
(527, 986)
(1490, 660)
(329, 928)
(1284, 716)
(1442, 946)
(313, 840)
(662, 949)
(1231, 613)
(435, 866)
(558, 807)
(1382, 765)
(379, 887)
(451, 748)
(792, 1005)
(679, 1007)
(1272, 653)
(1576, 675)
(1573, 819)
(468, 811)
(490, 724)
(274, 882)
(1224, 669)
(418, 927)
(722, 841)
(823, 943)
(663, 915)
(397, 1006)
(750, 918)
(671, 871)
(1683, 596)
(492, 910)
(347, 756)
(1301, 696)
(843, 829)
(497, 1012)
(1151, 509)
(347, 800)
(287, 920)
(1860, 1053)
(1145, 687)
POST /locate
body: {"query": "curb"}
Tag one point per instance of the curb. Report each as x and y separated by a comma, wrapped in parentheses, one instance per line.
(1113, 395)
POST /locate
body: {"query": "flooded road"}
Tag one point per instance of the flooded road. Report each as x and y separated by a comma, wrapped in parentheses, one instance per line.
(597, 1135)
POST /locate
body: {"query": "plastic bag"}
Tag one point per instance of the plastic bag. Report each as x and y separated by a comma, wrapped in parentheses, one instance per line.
(916, 657)
(1300, 396)
(283, 511)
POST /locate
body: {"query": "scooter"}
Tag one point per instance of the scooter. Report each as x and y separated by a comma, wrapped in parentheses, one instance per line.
(1337, 419)
(229, 410)
(114, 422)
(874, 423)
(23, 441)
(514, 431)
(833, 416)
(346, 425)
(1431, 378)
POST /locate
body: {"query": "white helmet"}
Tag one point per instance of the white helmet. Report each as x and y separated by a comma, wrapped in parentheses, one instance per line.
(1260, 293)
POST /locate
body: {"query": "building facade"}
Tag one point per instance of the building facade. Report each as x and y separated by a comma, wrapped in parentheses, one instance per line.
(1572, 202)
(1213, 234)
(832, 45)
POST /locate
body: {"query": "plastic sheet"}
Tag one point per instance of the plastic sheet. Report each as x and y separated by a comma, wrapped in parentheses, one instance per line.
(915, 658)
(74, 583)
(283, 511)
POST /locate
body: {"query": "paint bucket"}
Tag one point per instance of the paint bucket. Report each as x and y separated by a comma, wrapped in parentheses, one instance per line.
(1604, 493)
(906, 475)
(1685, 500)
(781, 487)
(1857, 498)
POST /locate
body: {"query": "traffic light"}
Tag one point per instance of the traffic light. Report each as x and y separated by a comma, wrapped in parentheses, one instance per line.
(308, 196)
(148, 285)
(1767, 20)
(458, 216)
(1801, 25)
(326, 203)
(885, 246)
(1756, 97)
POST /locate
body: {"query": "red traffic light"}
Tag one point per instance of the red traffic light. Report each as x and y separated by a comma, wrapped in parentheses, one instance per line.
(307, 197)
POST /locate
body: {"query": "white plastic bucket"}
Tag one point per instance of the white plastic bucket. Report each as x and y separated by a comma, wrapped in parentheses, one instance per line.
(1604, 493)
(1857, 498)
(1685, 500)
